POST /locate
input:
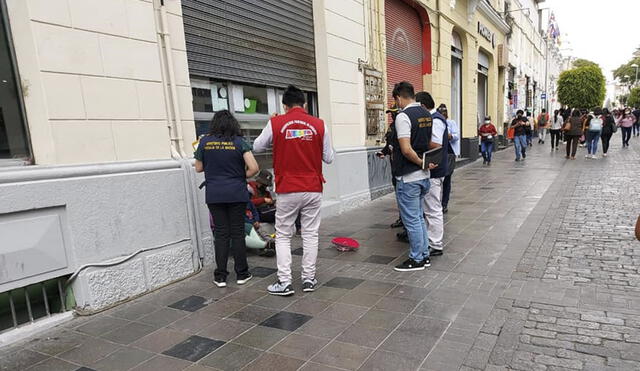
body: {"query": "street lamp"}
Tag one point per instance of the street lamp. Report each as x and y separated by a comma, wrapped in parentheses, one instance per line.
(636, 67)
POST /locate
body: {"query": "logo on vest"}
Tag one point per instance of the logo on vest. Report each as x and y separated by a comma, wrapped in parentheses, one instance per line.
(303, 134)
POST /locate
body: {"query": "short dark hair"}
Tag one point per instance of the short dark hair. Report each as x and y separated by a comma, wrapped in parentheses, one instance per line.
(544, 110)
(597, 111)
(225, 125)
(426, 100)
(403, 89)
(520, 112)
(293, 97)
(576, 113)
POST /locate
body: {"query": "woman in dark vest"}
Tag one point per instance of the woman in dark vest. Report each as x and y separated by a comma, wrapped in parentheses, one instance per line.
(227, 162)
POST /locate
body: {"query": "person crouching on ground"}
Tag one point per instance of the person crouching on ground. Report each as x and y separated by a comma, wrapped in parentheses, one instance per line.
(487, 133)
(301, 143)
(227, 162)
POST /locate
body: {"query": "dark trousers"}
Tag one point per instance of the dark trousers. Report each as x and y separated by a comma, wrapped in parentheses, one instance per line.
(605, 142)
(636, 128)
(229, 235)
(572, 144)
(626, 135)
(555, 138)
(446, 190)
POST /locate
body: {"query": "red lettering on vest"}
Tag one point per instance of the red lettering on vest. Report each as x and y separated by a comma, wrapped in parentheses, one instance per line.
(297, 152)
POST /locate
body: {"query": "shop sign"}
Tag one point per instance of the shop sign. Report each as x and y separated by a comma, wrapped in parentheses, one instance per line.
(485, 32)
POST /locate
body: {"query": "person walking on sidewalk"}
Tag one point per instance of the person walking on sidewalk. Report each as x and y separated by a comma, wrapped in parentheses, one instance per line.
(487, 133)
(543, 126)
(573, 132)
(593, 126)
(556, 129)
(454, 142)
(410, 140)
(609, 127)
(626, 121)
(433, 200)
(226, 160)
(520, 135)
(636, 125)
(301, 143)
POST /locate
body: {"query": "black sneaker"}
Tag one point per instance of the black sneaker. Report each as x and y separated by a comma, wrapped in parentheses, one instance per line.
(426, 262)
(524, 155)
(435, 252)
(245, 279)
(403, 236)
(410, 265)
(309, 285)
(397, 224)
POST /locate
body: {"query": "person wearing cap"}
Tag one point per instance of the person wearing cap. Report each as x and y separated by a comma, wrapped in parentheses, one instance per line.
(300, 143)
(433, 200)
(387, 150)
(487, 133)
(454, 142)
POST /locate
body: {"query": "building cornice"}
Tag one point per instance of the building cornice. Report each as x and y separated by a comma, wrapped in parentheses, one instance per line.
(487, 10)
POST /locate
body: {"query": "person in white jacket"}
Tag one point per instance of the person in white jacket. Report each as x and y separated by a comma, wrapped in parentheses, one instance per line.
(454, 140)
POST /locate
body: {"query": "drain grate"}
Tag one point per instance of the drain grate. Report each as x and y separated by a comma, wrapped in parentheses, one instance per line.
(30, 303)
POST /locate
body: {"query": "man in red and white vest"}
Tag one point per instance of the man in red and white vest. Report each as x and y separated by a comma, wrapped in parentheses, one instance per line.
(300, 143)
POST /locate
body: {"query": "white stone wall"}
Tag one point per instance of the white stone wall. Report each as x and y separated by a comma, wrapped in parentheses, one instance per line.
(340, 42)
(92, 79)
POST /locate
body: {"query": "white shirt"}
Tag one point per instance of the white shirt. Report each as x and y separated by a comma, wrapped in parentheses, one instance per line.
(557, 123)
(265, 141)
(437, 132)
(454, 130)
(403, 129)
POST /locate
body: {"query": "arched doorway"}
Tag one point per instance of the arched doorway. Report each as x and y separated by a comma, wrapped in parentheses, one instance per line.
(483, 85)
(408, 36)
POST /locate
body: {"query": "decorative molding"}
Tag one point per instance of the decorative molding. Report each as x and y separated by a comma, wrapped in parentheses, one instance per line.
(471, 9)
(492, 15)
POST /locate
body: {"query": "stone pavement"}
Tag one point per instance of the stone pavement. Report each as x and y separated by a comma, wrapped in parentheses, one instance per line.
(540, 272)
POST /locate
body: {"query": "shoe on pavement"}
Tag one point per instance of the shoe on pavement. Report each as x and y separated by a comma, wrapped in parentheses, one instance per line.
(604, 155)
(220, 282)
(410, 265)
(397, 224)
(281, 289)
(403, 236)
(435, 252)
(426, 262)
(245, 279)
(309, 285)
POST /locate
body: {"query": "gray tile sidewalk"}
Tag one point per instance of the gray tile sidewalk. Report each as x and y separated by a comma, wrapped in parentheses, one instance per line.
(528, 281)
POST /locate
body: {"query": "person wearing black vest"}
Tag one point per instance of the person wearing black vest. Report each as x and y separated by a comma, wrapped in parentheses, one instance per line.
(227, 162)
(433, 200)
(410, 139)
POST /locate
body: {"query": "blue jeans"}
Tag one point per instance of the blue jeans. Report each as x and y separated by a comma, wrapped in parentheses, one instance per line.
(592, 141)
(487, 150)
(520, 142)
(409, 197)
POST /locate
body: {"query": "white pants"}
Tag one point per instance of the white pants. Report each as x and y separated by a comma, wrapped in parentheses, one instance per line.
(288, 205)
(434, 214)
(542, 134)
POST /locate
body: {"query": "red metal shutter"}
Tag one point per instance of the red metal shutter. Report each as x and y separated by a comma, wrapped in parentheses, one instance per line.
(403, 29)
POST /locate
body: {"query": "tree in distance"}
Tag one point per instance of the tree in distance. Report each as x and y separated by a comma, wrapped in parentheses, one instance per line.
(582, 87)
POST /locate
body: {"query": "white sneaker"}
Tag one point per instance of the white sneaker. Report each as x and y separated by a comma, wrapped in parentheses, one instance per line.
(604, 155)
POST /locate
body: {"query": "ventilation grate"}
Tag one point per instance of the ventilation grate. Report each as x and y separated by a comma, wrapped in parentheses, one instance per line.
(28, 304)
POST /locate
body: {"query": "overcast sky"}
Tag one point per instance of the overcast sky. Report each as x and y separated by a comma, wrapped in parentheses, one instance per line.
(604, 31)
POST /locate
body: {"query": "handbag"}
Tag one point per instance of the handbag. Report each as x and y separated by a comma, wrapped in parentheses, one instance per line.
(511, 133)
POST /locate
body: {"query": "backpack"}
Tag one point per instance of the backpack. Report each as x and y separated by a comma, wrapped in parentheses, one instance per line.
(542, 122)
(595, 124)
